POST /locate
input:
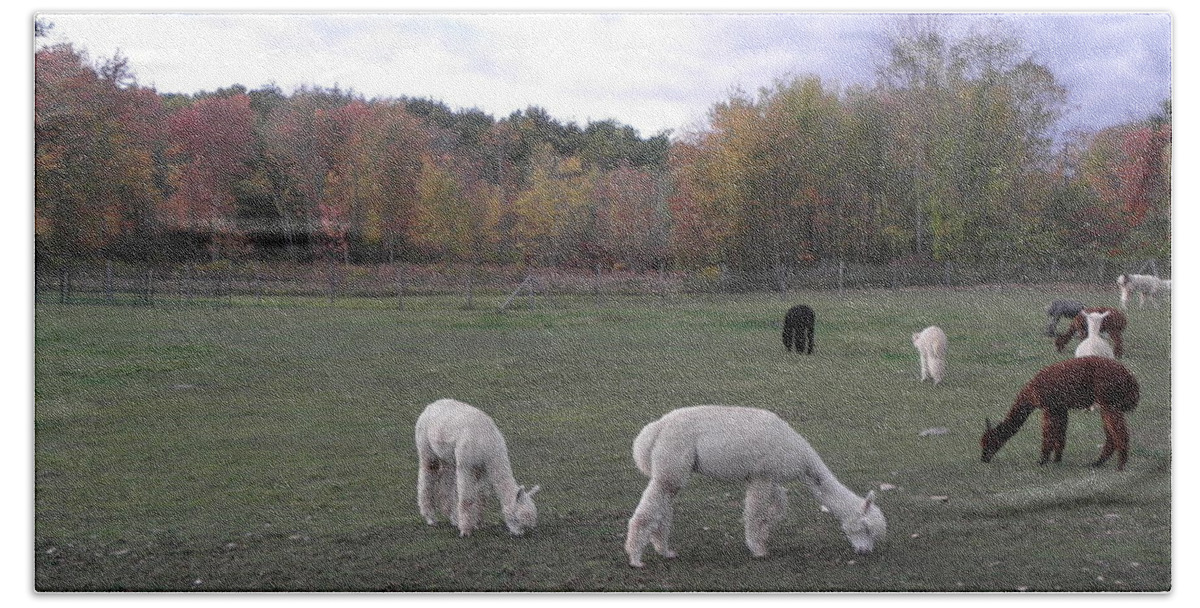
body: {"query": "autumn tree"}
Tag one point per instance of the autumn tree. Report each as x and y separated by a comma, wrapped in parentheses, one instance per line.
(554, 217)
(210, 148)
(765, 176)
(1128, 168)
(697, 236)
(98, 148)
(973, 117)
(630, 218)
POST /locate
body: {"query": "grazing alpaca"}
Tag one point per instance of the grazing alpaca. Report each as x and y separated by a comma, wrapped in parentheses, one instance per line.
(1065, 309)
(1142, 284)
(798, 327)
(1067, 385)
(931, 343)
(1113, 325)
(739, 444)
(1093, 344)
(460, 449)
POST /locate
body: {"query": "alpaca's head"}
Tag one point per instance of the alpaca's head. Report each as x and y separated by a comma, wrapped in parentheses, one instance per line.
(1061, 340)
(990, 442)
(867, 527)
(522, 515)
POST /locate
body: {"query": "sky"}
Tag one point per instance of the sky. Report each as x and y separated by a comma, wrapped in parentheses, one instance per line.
(653, 77)
(654, 71)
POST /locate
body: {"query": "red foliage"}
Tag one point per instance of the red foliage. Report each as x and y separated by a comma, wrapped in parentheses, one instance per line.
(96, 138)
(210, 144)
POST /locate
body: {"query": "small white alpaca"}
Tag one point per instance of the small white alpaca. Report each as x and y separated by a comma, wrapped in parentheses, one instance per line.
(1144, 285)
(459, 449)
(931, 344)
(1093, 344)
(738, 444)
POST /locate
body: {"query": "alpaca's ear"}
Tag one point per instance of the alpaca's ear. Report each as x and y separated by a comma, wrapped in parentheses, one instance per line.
(870, 500)
(534, 491)
(987, 424)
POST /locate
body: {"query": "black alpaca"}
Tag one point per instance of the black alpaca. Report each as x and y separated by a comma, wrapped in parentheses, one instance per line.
(798, 329)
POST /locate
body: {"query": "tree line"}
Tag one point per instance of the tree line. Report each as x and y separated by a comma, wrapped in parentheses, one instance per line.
(953, 154)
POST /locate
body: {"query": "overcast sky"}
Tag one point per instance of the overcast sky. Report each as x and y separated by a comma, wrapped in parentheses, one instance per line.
(652, 71)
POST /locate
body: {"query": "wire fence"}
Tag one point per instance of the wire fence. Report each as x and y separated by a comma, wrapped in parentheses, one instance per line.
(123, 284)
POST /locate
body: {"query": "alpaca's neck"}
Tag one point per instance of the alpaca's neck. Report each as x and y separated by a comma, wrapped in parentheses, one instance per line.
(840, 500)
(1016, 417)
(806, 466)
(503, 483)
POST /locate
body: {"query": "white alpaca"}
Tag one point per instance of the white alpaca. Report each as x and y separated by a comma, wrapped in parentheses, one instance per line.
(931, 344)
(459, 450)
(1093, 344)
(744, 445)
(1144, 285)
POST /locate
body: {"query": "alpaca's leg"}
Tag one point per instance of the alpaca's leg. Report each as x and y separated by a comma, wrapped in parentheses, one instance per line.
(660, 535)
(1053, 427)
(810, 331)
(428, 480)
(1118, 344)
(924, 366)
(1116, 435)
(467, 486)
(445, 492)
(651, 522)
(1059, 439)
(766, 504)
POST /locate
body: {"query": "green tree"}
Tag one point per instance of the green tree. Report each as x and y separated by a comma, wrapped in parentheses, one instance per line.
(973, 118)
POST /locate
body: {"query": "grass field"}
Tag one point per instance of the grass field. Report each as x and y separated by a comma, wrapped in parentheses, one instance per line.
(269, 446)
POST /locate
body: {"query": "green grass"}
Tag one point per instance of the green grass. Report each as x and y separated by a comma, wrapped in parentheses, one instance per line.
(269, 447)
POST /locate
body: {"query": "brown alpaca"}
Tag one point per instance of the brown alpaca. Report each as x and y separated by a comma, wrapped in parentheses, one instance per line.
(1072, 384)
(1113, 325)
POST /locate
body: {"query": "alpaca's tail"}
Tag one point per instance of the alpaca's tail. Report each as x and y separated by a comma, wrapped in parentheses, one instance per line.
(643, 445)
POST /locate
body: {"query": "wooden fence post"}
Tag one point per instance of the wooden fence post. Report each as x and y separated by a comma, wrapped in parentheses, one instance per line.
(596, 287)
(400, 287)
(470, 287)
(64, 286)
(108, 282)
(332, 284)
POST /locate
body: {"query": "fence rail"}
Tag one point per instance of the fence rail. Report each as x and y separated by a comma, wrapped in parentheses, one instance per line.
(122, 284)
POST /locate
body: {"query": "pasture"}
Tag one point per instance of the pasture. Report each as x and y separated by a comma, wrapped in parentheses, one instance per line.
(268, 445)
